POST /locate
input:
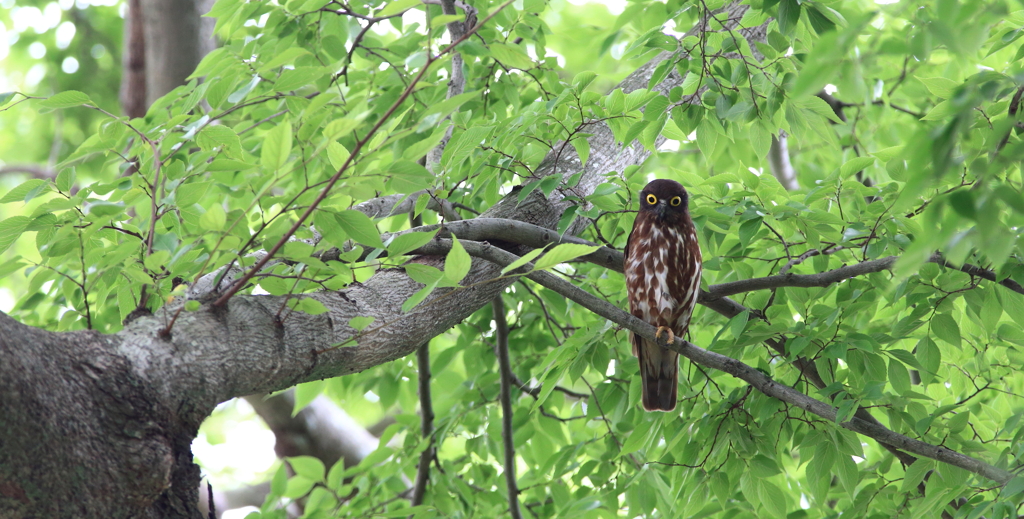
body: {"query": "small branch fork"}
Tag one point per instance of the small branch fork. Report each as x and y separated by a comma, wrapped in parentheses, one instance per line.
(736, 368)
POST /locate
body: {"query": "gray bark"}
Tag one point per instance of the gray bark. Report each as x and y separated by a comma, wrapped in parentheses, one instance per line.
(779, 163)
(100, 426)
(176, 39)
(321, 429)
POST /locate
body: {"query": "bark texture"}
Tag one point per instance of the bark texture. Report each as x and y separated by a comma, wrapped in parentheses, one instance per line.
(175, 40)
(82, 434)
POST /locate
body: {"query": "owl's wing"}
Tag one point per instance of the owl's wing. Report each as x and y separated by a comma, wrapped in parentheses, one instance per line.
(634, 338)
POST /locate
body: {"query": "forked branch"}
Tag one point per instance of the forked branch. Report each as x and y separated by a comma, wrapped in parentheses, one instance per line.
(734, 367)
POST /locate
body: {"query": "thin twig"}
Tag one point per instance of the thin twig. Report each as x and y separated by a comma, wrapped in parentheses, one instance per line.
(426, 424)
(236, 286)
(501, 334)
(736, 368)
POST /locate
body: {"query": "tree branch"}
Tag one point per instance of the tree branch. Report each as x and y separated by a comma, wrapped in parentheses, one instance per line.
(734, 367)
(35, 171)
(501, 334)
(534, 236)
(321, 429)
(237, 285)
(426, 423)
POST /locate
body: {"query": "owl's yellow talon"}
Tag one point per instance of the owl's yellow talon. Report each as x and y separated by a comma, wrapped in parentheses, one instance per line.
(665, 329)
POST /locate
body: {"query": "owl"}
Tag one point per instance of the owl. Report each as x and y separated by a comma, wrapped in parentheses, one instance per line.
(662, 267)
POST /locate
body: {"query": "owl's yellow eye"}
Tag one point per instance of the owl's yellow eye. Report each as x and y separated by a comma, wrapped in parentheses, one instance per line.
(651, 199)
(675, 201)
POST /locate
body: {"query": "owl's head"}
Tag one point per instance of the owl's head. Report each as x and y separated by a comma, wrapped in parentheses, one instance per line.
(665, 198)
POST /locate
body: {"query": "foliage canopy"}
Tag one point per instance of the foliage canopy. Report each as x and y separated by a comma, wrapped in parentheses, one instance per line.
(914, 150)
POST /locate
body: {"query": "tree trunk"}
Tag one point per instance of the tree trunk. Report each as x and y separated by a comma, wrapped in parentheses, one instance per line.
(164, 41)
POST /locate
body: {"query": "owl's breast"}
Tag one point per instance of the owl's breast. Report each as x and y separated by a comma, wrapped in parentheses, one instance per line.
(663, 275)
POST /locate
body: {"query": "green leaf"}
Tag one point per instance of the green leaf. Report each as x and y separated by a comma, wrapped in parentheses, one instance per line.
(418, 297)
(339, 128)
(305, 393)
(511, 56)
(460, 147)
(188, 194)
(819, 106)
(946, 329)
(915, 474)
(899, 377)
(277, 145)
(637, 438)
(329, 227)
(214, 219)
(826, 56)
(214, 136)
(819, 21)
(583, 80)
(423, 273)
(360, 323)
(526, 258)
(102, 208)
(930, 357)
(279, 483)
(360, 228)
(229, 165)
(408, 176)
(396, 7)
(582, 146)
(445, 19)
(298, 486)
(772, 498)
(457, 262)
(10, 229)
(1013, 487)
(284, 57)
(337, 153)
(65, 179)
(854, 165)
(25, 191)
(563, 253)
(307, 305)
(707, 136)
(940, 87)
(308, 467)
(789, 15)
(66, 99)
(760, 139)
(404, 243)
(293, 79)
(941, 111)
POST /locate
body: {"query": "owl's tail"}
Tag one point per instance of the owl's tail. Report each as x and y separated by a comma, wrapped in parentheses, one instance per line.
(659, 374)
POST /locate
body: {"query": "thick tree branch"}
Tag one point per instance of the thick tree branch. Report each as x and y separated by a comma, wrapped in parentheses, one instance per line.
(321, 429)
(738, 369)
(505, 396)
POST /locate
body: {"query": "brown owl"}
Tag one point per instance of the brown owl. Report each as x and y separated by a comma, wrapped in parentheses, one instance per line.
(662, 266)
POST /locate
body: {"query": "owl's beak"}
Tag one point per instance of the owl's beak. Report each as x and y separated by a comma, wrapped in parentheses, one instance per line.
(662, 209)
